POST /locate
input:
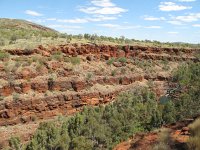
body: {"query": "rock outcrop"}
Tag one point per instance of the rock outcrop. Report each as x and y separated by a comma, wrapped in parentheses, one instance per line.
(28, 94)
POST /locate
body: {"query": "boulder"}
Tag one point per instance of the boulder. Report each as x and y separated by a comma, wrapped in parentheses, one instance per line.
(117, 64)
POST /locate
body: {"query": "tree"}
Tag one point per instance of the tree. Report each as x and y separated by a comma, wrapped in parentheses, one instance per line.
(122, 39)
(93, 38)
(169, 112)
(81, 143)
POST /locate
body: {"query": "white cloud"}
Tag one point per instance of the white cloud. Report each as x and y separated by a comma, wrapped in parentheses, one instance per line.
(174, 22)
(196, 25)
(191, 17)
(67, 30)
(102, 7)
(171, 6)
(125, 27)
(151, 18)
(153, 27)
(38, 20)
(172, 32)
(129, 27)
(101, 18)
(51, 19)
(186, 0)
(33, 13)
(182, 20)
(63, 26)
(77, 20)
(109, 25)
(94, 18)
(103, 11)
(119, 27)
(102, 3)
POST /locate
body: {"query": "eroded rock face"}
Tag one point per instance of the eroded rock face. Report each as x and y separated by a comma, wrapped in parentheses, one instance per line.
(69, 93)
(23, 110)
(108, 51)
(6, 90)
(47, 107)
(26, 73)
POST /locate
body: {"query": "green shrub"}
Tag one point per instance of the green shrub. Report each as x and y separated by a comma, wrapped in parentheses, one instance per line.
(4, 55)
(50, 136)
(110, 61)
(57, 56)
(50, 83)
(122, 60)
(101, 127)
(13, 38)
(123, 70)
(28, 51)
(75, 60)
(1, 98)
(34, 58)
(14, 143)
(16, 96)
(39, 67)
(89, 76)
(187, 77)
(82, 143)
(2, 42)
(67, 59)
(113, 72)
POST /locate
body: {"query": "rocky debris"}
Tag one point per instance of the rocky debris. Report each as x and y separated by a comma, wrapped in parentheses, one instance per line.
(40, 87)
(54, 65)
(90, 58)
(26, 73)
(106, 56)
(25, 87)
(21, 52)
(6, 90)
(121, 53)
(45, 54)
(78, 85)
(185, 131)
(117, 64)
(61, 85)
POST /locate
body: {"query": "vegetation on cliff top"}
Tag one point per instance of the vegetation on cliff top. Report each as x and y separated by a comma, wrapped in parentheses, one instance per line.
(16, 33)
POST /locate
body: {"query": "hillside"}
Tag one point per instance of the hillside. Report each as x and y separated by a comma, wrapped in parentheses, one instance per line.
(97, 94)
(15, 33)
(16, 24)
(13, 29)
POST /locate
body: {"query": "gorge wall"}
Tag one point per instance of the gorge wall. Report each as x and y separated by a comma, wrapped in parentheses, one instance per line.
(34, 95)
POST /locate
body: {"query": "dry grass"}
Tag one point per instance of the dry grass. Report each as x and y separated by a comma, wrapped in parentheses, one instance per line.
(194, 140)
(164, 140)
(35, 41)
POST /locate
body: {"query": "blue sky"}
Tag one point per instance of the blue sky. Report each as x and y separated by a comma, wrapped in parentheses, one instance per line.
(162, 20)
